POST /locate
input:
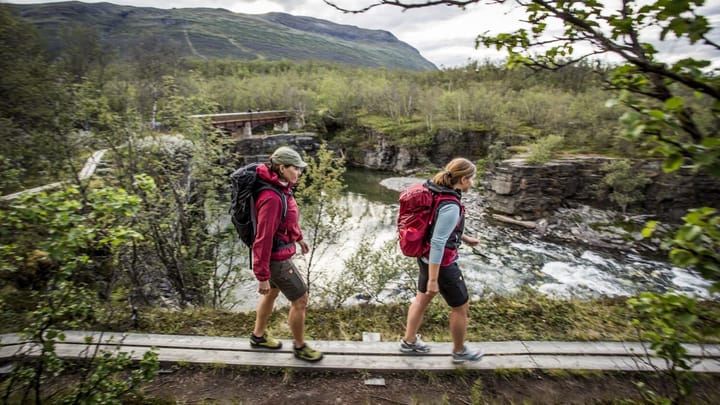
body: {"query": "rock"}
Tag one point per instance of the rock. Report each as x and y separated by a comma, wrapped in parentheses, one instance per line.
(530, 192)
(381, 152)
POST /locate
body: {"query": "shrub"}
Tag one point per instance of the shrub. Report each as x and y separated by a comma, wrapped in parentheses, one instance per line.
(542, 150)
(621, 184)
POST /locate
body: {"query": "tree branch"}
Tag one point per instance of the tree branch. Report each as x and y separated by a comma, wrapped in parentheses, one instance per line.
(637, 57)
(403, 5)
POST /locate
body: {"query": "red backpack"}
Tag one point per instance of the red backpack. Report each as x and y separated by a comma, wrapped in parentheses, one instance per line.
(418, 205)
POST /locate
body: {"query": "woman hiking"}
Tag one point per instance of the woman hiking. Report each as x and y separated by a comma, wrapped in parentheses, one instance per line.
(272, 253)
(439, 271)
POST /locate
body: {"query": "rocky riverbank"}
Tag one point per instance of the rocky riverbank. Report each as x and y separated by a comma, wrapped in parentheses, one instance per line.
(533, 192)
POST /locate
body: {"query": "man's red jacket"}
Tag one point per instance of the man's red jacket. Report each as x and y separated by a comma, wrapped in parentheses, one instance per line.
(268, 206)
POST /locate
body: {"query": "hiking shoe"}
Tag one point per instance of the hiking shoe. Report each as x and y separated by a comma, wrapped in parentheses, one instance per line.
(307, 353)
(264, 341)
(466, 355)
(417, 347)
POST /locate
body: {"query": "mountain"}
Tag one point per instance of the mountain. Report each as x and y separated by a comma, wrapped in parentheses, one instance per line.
(219, 33)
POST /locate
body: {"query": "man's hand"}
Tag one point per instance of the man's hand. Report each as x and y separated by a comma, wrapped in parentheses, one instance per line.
(304, 248)
(264, 287)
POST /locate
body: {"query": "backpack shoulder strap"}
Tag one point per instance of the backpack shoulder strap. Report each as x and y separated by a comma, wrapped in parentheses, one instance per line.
(277, 242)
(283, 198)
(440, 199)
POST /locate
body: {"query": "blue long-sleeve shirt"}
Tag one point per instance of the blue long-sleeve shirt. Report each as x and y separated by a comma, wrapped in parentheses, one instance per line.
(447, 220)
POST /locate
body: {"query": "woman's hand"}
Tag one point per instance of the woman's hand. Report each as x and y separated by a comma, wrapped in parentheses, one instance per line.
(432, 288)
(470, 240)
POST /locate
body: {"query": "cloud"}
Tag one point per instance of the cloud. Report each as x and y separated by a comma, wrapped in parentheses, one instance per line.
(255, 6)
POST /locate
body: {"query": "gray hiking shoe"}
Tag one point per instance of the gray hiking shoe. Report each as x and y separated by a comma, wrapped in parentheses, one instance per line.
(416, 347)
(466, 355)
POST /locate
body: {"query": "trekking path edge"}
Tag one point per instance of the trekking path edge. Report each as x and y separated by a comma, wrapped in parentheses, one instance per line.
(354, 355)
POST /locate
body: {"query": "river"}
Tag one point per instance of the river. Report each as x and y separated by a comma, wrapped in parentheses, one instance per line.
(507, 259)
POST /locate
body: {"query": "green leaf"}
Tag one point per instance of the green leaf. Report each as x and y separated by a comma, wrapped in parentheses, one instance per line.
(657, 114)
(672, 163)
(649, 229)
(682, 258)
(674, 103)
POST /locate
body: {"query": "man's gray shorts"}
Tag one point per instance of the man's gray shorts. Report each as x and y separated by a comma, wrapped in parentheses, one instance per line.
(285, 276)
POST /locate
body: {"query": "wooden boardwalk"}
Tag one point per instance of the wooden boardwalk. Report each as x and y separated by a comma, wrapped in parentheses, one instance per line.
(85, 173)
(352, 355)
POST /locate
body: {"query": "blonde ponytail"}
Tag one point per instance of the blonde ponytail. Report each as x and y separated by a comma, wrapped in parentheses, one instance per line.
(454, 171)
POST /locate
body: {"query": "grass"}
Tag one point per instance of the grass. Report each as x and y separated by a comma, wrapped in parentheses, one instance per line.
(523, 316)
(526, 315)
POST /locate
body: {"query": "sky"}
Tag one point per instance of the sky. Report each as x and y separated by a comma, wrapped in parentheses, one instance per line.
(444, 35)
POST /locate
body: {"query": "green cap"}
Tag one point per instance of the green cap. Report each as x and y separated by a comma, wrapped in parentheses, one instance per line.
(287, 156)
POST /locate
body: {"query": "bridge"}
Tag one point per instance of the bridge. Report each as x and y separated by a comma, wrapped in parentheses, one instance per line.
(240, 124)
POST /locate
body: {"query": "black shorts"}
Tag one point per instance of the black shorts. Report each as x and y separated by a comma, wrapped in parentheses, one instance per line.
(285, 276)
(450, 282)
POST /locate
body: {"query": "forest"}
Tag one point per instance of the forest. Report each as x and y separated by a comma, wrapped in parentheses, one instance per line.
(82, 255)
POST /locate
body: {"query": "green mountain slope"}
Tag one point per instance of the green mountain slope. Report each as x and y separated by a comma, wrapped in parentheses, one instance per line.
(219, 33)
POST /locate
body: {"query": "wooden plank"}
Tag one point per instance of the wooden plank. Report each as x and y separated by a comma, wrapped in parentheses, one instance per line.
(613, 348)
(87, 171)
(7, 352)
(588, 348)
(619, 363)
(340, 347)
(10, 339)
(241, 343)
(285, 359)
(366, 355)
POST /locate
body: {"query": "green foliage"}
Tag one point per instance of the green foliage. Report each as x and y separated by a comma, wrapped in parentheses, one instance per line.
(476, 391)
(26, 82)
(369, 273)
(30, 94)
(542, 151)
(696, 244)
(82, 53)
(345, 104)
(622, 184)
(78, 239)
(9, 176)
(666, 321)
(79, 234)
(175, 110)
(669, 107)
(108, 381)
(662, 97)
